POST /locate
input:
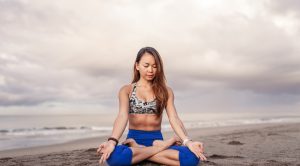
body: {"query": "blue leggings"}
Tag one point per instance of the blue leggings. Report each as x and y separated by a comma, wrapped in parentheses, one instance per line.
(122, 155)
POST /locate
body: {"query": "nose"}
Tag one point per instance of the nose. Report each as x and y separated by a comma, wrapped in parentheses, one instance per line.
(150, 69)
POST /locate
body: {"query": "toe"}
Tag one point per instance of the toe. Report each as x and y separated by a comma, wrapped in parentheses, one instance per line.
(125, 142)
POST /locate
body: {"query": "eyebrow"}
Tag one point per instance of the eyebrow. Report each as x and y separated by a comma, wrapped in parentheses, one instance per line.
(149, 63)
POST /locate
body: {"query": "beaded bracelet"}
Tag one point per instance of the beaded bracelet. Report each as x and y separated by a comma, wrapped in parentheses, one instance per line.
(114, 139)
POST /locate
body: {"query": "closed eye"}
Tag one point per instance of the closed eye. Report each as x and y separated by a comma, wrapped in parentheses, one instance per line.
(147, 65)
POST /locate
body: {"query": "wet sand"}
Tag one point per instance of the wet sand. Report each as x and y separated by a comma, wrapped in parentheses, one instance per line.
(263, 144)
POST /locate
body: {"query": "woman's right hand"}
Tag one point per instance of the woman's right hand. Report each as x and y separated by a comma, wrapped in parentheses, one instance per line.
(105, 149)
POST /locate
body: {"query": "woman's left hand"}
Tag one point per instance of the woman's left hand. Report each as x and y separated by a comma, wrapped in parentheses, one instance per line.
(197, 148)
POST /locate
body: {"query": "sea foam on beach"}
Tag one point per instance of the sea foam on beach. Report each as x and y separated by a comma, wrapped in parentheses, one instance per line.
(29, 131)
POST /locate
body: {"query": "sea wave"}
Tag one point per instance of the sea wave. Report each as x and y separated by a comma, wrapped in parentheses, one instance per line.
(58, 130)
(29, 137)
(240, 121)
(53, 130)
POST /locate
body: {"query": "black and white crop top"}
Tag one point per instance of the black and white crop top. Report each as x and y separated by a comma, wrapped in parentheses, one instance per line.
(137, 106)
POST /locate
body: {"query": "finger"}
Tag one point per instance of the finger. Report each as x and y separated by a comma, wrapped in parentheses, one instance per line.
(99, 151)
(203, 158)
(199, 150)
(202, 147)
(196, 153)
(107, 156)
(102, 158)
(199, 153)
(100, 161)
(100, 147)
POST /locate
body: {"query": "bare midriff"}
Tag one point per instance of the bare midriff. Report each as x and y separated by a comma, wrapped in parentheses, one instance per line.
(147, 122)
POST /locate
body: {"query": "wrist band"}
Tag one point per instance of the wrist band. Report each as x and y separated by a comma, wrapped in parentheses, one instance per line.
(114, 139)
(185, 141)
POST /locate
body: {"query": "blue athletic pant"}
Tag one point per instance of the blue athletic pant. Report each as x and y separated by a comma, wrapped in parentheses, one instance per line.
(122, 155)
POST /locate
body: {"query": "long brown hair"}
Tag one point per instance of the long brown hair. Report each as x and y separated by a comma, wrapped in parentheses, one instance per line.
(159, 81)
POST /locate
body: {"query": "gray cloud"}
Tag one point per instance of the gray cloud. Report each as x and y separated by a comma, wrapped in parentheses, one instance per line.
(72, 52)
(285, 6)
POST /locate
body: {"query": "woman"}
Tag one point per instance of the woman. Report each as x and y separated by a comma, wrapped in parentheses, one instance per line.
(142, 103)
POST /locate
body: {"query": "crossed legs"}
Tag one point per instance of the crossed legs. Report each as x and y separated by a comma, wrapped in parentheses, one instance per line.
(158, 153)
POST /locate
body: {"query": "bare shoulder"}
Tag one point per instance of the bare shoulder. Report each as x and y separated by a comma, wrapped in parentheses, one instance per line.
(170, 95)
(125, 89)
(170, 91)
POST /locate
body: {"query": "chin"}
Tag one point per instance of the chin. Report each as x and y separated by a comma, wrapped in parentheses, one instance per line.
(150, 79)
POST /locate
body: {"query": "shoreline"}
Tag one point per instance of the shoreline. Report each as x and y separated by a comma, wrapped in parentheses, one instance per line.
(93, 142)
(27, 136)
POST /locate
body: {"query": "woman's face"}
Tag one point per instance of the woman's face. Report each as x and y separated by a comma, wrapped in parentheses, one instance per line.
(147, 67)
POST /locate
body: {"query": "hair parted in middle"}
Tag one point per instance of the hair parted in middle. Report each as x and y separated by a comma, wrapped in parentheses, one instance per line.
(159, 81)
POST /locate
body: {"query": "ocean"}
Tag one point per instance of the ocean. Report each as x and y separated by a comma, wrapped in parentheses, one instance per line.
(21, 131)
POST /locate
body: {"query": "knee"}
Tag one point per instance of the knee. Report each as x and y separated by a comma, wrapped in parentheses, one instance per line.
(189, 159)
(194, 160)
(121, 156)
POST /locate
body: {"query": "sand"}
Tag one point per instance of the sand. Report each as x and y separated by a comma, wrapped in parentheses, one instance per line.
(263, 144)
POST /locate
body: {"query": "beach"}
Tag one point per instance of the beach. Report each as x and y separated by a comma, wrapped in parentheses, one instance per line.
(257, 144)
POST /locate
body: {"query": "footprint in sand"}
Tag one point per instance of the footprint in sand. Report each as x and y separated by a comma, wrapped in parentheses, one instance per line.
(235, 143)
(217, 156)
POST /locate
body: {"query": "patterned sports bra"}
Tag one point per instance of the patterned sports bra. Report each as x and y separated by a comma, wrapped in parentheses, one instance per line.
(137, 106)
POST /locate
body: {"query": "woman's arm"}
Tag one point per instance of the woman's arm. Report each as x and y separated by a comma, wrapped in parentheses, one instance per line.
(120, 122)
(106, 148)
(195, 146)
(174, 120)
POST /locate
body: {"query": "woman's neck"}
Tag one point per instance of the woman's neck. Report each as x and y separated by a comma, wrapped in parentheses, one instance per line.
(144, 83)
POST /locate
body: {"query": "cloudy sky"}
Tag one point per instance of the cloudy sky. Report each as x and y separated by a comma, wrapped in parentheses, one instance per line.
(72, 56)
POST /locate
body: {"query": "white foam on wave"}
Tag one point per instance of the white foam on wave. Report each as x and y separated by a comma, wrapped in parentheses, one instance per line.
(29, 137)
(235, 122)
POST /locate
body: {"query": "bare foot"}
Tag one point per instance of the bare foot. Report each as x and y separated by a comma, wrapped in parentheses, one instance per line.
(132, 143)
(166, 143)
(177, 140)
(158, 143)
